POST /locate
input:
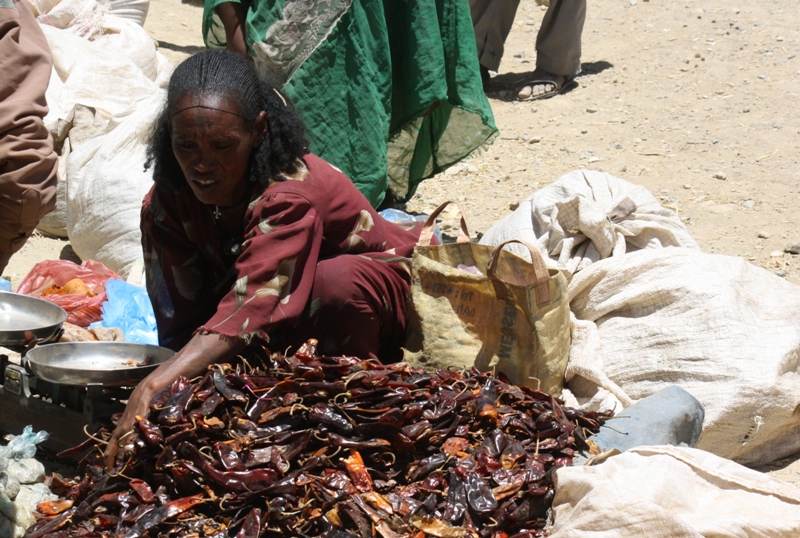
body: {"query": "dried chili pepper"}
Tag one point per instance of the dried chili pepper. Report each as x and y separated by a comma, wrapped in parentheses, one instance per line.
(225, 388)
(334, 446)
(158, 515)
(142, 490)
(358, 472)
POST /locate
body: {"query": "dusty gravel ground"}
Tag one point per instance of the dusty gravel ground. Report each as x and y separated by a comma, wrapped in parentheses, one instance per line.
(695, 100)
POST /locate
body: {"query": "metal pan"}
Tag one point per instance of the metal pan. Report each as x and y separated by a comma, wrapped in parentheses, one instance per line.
(107, 363)
(25, 319)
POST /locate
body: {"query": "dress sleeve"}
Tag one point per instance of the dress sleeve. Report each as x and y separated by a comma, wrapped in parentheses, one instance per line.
(176, 275)
(275, 272)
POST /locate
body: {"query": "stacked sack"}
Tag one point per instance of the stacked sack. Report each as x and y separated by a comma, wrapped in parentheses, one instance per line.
(107, 85)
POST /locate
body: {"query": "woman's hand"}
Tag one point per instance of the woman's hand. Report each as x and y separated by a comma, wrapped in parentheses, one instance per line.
(233, 16)
(138, 405)
(191, 361)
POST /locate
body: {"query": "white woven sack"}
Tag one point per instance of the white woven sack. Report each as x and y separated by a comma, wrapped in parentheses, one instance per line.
(106, 185)
(134, 11)
(101, 78)
(726, 331)
(666, 491)
(124, 37)
(586, 216)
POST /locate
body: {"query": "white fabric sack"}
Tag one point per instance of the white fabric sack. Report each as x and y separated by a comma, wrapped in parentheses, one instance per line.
(586, 216)
(724, 330)
(665, 491)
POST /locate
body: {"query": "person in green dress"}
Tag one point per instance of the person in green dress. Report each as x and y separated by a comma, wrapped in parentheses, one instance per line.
(389, 90)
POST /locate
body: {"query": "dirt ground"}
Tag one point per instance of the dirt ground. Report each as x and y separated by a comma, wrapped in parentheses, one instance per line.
(696, 100)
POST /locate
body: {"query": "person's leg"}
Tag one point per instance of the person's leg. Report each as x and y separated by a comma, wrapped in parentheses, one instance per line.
(357, 308)
(558, 48)
(28, 164)
(492, 20)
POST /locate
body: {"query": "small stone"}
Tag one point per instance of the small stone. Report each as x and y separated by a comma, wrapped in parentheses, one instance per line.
(584, 131)
(687, 186)
(594, 159)
(745, 110)
(781, 273)
(513, 206)
(720, 175)
(762, 77)
(749, 204)
(776, 254)
(591, 110)
(779, 38)
(534, 140)
(618, 146)
(736, 10)
(623, 169)
(520, 54)
(793, 248)
(633, 2)
(525, 137)
(763, 235)
(472, 168)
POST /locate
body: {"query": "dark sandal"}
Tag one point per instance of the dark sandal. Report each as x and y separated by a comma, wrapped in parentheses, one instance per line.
(568, 83)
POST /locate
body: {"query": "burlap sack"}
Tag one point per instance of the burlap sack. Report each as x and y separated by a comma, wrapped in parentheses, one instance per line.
(476, 305)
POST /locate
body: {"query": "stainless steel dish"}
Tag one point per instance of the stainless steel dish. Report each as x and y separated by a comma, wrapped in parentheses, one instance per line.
(106, 363)
(25, 319)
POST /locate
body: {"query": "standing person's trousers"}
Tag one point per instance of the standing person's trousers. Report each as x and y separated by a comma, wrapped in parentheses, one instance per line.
(28, 164)
(558, 44)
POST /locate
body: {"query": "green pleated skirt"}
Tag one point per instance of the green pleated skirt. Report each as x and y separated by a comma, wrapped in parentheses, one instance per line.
(391, 96)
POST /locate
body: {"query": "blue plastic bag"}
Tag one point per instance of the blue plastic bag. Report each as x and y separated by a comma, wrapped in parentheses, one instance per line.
(129, 308)
(408, 221)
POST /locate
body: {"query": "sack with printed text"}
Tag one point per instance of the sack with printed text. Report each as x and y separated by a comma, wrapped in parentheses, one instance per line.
(476, 305)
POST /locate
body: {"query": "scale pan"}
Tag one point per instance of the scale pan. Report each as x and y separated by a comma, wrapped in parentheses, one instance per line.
(25, 319)
(105, 363)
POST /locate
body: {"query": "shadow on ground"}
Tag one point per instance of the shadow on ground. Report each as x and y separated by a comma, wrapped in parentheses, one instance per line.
(506, 86)
(185, 49)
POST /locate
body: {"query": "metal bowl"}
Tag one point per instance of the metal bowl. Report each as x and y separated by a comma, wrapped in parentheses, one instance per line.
(107, 363)
(25, 319)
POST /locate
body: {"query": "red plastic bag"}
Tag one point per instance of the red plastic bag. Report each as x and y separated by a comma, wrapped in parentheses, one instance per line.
(81, 308)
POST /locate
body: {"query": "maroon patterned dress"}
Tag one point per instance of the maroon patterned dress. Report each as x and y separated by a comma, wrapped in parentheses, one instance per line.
(316, 261)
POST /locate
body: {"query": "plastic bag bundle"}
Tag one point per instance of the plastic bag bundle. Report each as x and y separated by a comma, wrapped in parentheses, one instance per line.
(17, 466)
(21, 447)
(26, 471)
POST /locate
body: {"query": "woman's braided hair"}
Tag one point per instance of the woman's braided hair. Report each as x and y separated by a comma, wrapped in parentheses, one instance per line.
(225, 73)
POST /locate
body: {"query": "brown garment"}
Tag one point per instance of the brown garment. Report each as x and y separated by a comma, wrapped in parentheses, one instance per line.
(28, 164)
(558, 44)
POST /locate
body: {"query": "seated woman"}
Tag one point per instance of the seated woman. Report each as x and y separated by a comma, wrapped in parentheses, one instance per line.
(248, 238)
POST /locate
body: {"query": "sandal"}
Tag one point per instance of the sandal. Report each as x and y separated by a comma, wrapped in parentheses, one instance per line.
(526, 92)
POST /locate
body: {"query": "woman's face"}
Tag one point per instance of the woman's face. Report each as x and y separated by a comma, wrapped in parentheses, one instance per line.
(213, 145)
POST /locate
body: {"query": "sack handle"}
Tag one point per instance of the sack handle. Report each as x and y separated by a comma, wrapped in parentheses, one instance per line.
(540, 271)
(426, 235)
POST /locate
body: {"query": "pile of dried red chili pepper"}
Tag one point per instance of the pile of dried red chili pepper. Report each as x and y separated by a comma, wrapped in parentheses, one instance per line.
(328, 446)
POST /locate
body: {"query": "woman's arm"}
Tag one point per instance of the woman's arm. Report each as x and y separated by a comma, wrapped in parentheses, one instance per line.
(191, 361)
(233, 16)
